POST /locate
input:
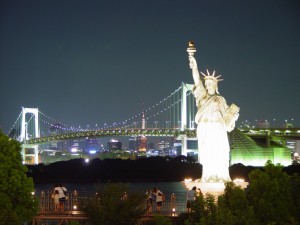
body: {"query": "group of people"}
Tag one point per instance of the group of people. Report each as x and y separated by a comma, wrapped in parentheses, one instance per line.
(154, 195)
(59, 197)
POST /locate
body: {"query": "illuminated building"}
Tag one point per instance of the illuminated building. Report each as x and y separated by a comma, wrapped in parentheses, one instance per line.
(161, 145)
(142, 140)
(256, 152)
(91, 145)
(114, 144)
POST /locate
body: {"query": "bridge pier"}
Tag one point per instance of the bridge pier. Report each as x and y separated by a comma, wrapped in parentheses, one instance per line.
(184, 144)
(30, 154)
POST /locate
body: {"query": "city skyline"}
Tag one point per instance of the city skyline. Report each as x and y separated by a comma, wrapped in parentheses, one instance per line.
(96, 62)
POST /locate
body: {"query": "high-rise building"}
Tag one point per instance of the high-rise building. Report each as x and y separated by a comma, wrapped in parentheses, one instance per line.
(142, 140)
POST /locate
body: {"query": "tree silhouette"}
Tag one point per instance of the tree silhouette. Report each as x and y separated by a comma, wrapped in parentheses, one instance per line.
(17, 204)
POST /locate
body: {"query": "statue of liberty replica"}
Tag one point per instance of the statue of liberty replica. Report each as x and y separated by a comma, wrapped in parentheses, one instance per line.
(214, 119)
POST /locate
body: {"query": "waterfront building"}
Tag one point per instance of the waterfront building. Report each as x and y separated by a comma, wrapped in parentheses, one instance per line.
(256, 151)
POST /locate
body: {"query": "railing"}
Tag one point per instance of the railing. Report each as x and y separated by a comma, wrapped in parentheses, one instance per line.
(74, 199)
(47, 202)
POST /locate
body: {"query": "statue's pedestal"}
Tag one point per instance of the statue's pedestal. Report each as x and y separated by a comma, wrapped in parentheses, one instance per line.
(214, 188)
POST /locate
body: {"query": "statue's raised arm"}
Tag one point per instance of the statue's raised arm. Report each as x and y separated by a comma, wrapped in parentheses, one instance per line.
(193, 64)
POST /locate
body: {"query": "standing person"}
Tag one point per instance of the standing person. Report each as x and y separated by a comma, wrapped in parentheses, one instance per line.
(62, 196)
(190, 198)
(214, 118)
(158, 198)
(199, 192)
(56, 200)
(148, 201)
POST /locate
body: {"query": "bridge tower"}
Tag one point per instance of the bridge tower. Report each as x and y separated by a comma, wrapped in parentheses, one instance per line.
(29, 152)
(185, 124)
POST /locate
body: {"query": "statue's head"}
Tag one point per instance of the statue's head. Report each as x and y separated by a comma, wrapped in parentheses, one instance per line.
(211, 82)
(211, 87)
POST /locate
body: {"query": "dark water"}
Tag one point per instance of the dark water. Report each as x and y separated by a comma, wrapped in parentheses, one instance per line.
(166, 187)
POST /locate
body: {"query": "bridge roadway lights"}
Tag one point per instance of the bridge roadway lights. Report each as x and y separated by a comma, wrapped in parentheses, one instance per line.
(150, 132)
(30, 153)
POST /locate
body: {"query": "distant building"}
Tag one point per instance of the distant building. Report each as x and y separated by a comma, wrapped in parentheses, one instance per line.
(151, 145)
(142, 140)
(163, 144)
(133, 144)
(114, 144)
(75, 146)
(142, 143)
(92, 145)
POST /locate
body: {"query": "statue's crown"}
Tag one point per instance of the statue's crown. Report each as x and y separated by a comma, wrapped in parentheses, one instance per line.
(212, 76)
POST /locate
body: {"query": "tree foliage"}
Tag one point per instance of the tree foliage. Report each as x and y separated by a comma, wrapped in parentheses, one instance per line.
(233, 207)
(272, 198)
(112, 207)
(270, 194)
(17, 203)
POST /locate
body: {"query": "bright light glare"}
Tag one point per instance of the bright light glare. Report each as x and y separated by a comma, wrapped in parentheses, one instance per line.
(74, 150)
(86, 160)
(186, 180)
(238, 180)
(93, 151)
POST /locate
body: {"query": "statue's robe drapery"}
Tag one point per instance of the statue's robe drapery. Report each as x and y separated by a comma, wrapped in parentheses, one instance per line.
(212, 135)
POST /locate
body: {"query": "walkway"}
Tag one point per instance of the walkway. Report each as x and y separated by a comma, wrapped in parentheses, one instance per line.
(47, 214)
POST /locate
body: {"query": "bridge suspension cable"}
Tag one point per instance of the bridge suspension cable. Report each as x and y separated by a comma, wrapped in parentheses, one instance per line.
(166, 113)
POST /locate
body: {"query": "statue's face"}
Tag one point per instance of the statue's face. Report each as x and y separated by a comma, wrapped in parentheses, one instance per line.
(211, 87)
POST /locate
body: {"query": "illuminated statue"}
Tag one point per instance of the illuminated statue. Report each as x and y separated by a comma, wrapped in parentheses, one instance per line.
(214, 118)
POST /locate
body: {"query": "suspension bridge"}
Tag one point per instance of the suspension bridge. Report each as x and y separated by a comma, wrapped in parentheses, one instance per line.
(173, 116)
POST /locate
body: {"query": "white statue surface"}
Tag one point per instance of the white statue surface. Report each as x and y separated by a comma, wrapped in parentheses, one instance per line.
(214, 119)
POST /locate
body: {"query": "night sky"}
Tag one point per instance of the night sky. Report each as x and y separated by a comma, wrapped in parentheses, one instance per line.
(86, 62)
